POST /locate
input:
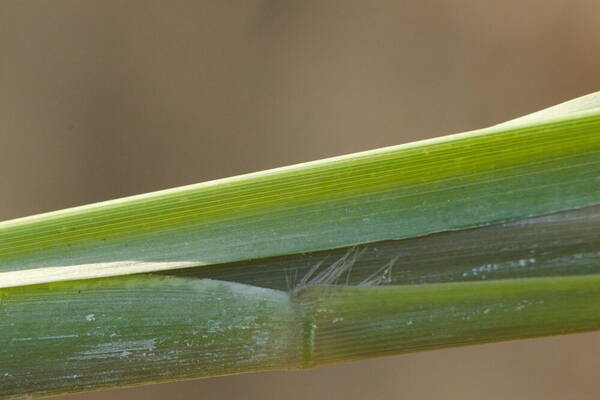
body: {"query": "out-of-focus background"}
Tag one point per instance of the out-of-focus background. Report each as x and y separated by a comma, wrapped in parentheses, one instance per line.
(104, 99)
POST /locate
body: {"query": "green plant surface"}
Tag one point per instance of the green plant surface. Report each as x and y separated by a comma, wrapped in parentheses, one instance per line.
(356, 322)
(502, 173)
(472, 238)
(82, 335)
(558, 244)
(112, 332)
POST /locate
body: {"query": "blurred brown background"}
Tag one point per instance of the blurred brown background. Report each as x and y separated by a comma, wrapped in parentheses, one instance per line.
(103, 99)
